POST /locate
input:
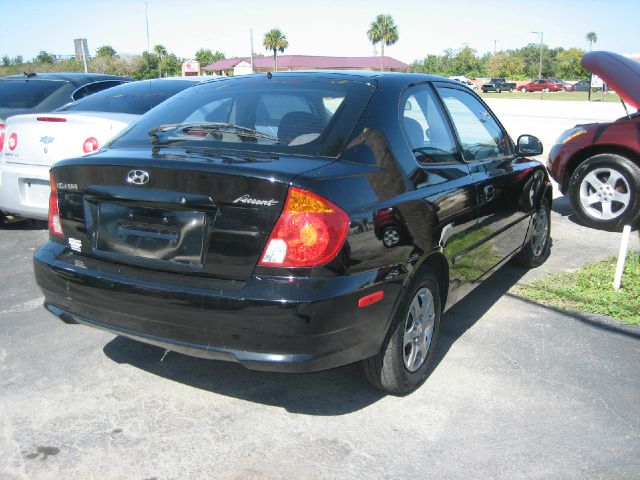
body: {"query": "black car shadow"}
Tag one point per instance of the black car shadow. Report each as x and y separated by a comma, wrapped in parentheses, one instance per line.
(333, 392)
(23, 224)
(464, 314)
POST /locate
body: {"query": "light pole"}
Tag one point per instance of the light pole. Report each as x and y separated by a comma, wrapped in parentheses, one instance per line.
(540, 66)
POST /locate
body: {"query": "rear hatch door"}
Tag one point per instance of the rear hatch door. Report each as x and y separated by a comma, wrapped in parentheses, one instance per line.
(205, 213)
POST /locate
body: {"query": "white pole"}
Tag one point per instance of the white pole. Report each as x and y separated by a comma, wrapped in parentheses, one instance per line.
(622, 256)
(251, 35)
(84, 58)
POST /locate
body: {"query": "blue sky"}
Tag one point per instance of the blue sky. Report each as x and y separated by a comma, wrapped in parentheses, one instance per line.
(331, 27)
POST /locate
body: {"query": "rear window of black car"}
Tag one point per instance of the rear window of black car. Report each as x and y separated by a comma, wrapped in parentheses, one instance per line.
(289, 114)
(135, 98)
(26, 93)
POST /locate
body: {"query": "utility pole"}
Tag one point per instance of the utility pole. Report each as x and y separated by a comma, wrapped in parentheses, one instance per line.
(540, 66)
(146, 17)
(251, 36)
(495, 46)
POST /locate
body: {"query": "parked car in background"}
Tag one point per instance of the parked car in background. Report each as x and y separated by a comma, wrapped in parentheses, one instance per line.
(582, 86)
(233, 221)
(465, 81)
(543, 85)
(563, 84)
(44, 92)
(498, 85)
(34, 142)
(41, 92)
(598, 165)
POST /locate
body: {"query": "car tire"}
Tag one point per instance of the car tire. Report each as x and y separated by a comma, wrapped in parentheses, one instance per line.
(537, 249)
(391, 236)
(545, 89)
(498, 90)
(605, 192)
(523, 90)
(511, 90)
(403, 362)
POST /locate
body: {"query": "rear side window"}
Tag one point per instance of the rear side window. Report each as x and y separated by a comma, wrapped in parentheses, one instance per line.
(94, 87)
(135, 98)
(293, 115)
(26, 93)
(425, 126)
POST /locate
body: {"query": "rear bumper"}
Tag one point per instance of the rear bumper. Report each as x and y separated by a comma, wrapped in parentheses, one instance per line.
(268, 323)
(24, 190)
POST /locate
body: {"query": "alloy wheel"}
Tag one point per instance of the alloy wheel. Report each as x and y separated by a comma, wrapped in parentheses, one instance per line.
(604, 193)
(391, 237)
(418, 329)
(540, 231)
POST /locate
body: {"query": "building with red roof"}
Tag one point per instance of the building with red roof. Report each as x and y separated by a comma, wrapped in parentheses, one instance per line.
(242, 65)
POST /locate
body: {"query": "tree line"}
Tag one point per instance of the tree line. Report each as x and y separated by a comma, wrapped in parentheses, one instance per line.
(157, 63)
(519, 64)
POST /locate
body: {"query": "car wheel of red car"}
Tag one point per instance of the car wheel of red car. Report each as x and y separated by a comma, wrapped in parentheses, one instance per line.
(402, 364)
(605, 192)
(391, 236)
(523, 90)
(545, 89)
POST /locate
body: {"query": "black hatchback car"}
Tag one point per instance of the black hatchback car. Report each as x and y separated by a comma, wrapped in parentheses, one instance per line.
(236, 221)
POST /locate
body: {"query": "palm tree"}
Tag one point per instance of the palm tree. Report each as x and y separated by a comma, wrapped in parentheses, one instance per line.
(161, 51)
(383, 30)
(592, 38)
(275, 40)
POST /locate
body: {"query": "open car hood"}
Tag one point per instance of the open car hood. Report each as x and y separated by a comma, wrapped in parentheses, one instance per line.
(620, 73)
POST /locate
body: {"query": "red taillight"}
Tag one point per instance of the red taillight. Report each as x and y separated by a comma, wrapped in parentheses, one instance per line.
(12, 143)
(90, 145)
(51, 119)
(310, 231)
(1, 136)
(55, 228)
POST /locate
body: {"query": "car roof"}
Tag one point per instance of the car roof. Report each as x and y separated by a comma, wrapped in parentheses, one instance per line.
(352, 74)
(71, 77)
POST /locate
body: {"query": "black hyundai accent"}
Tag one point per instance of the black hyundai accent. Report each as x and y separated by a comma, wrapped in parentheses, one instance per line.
(237, 221)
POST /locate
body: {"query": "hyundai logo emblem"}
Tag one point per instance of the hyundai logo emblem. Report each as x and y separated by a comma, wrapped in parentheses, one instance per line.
(138, 177)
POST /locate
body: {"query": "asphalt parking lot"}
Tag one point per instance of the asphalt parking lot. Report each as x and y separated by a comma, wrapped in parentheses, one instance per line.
(517, 391)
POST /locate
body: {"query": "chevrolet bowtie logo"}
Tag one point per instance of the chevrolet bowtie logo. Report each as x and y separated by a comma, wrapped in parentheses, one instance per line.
(46, 140)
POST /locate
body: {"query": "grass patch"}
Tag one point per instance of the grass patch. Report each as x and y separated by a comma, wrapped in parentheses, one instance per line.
(561, 96)
(590, 289)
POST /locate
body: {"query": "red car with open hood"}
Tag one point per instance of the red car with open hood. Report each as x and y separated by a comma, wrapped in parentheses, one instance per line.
(598, 165)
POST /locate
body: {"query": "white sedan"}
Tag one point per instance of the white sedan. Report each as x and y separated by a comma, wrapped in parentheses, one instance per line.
(32, 143)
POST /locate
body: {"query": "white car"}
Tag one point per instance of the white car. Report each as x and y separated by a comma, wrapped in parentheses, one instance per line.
(32, 143)
(465, 81)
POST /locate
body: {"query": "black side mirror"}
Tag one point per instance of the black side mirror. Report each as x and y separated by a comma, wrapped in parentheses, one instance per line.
(529, 145)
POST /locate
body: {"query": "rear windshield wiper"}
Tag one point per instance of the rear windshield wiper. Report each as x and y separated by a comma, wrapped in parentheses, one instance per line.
(178, 132)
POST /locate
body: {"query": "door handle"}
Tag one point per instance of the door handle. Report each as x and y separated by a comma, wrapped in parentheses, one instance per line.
(489, 193)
